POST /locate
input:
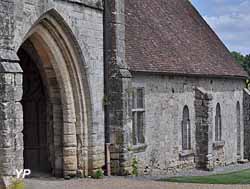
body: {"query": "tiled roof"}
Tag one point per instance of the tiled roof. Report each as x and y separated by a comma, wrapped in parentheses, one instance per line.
(170, 36)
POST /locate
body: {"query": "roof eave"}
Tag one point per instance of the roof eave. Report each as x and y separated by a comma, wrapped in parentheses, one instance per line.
(190, 75)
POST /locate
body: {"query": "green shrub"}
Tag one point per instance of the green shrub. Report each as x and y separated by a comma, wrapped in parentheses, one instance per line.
(98, 174)
(17, 184)
(134, 167)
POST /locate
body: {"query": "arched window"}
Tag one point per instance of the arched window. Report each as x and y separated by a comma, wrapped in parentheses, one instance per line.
(186, 130)
(218, 132)
(238, 128)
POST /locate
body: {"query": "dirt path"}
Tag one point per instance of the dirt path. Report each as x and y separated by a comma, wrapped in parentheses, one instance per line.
(117, 183)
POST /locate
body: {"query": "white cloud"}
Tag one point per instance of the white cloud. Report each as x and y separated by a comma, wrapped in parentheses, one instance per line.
(231, 21)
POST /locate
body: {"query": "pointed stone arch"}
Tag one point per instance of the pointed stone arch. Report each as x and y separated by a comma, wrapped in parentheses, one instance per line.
(64, 71)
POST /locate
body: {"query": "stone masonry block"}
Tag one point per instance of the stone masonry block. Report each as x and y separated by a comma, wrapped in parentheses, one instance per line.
(69, 151)
(6, 140)
(7, 93)
(7, 78)
(69, 128)
(6, 67)
(18, 125)
(18, 79)
(18, 93)
(70, 163)
(69, 141)
(7, 110)
(7, 125)
(18, 110)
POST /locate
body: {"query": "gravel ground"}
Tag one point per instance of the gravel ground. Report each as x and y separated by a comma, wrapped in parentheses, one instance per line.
(134, 183)
(118, 183)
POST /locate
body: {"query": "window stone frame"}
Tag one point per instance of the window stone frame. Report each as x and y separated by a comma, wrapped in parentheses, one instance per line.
(138, 137)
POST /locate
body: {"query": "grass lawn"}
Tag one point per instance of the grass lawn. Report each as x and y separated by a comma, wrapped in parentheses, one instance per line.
(241, 177)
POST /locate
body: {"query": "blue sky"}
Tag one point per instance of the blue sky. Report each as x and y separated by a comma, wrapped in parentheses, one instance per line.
(230, 19)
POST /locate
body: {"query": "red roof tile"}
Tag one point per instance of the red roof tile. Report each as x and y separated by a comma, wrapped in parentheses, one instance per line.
(169, 36)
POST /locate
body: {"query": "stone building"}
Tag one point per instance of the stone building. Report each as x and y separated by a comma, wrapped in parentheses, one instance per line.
(148, 77)
(180, 93)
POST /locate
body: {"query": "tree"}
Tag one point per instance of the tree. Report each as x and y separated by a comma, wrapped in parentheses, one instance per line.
(247, 63)
(244, 61)
(239, 58)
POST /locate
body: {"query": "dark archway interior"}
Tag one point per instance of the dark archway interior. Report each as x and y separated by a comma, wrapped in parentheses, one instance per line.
(34, 103)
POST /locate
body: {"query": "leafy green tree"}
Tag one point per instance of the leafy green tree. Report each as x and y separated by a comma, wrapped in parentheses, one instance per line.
(247, 63)
(244, 61)
(239, 58)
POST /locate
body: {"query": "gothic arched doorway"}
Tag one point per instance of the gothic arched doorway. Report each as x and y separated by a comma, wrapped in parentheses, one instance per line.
(56, 100)
(35, 118)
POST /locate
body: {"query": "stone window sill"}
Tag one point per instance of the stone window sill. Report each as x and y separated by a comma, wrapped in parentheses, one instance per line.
(138, 148)
(219, 144)
(185, 153)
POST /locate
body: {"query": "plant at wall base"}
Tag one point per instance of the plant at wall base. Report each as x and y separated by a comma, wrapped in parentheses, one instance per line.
(134, 167)
(17, 184)
(129, 148)
(99, 174)
(106, 101)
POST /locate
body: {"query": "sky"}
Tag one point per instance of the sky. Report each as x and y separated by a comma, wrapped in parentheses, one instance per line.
(230, 19)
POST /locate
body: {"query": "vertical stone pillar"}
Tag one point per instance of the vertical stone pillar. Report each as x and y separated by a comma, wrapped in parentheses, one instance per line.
(118, 84)
(246, 117)
(11, 117)
(11, 114)
(203, 123)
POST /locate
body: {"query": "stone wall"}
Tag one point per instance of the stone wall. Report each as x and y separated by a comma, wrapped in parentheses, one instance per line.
(246, 102)
(11, 125)
(117, 89)
(165, 97)
(85, 20)
(203, 111)
(11, 137)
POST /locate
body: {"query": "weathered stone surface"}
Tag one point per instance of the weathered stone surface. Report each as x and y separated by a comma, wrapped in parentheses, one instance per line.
(118, 107)
(246, 104)
(70, 163)
(6, 67)
(203, 127)
(69, 151)
(76, 128)
(69, 140)
(165, 98)
(85, 20)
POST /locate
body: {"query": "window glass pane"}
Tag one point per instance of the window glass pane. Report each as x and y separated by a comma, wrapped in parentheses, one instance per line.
(134, 128)
(140, 127)
(140, 98)
(220, 131)
(189, 134)
(186, 130)
(184, 135)
(133, 99)
(216, 128)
